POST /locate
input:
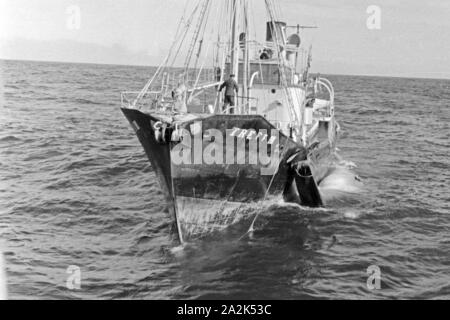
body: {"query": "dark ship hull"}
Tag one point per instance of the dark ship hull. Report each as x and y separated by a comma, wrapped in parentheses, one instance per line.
(208, 197)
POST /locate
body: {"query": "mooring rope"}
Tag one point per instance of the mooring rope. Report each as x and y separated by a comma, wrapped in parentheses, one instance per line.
(259, 210)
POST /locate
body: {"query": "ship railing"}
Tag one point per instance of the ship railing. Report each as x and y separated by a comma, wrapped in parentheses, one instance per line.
(248, 107)
(288, 128)
(128, 98)
(165, 90)
(329, 86)
(325, 111)
(190, 78)
(152, 100)
(164, 101)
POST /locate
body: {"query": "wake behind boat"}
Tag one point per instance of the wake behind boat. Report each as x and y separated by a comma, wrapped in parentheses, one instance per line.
(270, 133)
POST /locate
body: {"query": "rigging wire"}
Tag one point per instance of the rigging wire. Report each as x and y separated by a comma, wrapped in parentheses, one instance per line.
(212, 34)
(163, 65)
(197, 31)
(202, 40)
(282, 65)
(186, 31)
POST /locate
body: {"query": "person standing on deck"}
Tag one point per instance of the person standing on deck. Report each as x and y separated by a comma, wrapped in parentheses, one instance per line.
(231, 87)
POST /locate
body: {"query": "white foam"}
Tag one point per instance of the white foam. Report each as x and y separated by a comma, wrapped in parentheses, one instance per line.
(178, 251)
(3, 291)
(348, 164)
(342, 180)
(352, 215)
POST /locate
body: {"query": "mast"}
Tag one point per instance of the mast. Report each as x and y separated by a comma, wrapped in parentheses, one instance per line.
(245, 99)
(235, 40)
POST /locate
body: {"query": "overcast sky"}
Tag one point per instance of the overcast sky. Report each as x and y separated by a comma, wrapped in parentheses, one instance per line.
(414, 39)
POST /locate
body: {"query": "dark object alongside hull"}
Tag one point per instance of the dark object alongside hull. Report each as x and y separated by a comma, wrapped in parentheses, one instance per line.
(306, 186)
(207, 197)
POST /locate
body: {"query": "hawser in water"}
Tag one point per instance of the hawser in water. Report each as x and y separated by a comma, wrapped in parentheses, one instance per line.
(273, 133)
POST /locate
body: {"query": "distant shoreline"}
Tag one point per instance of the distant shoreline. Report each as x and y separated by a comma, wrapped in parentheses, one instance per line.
(148, 66)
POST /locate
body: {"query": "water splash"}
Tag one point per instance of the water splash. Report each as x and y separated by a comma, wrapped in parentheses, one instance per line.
(178, 251)
(341, 182)
(352, 214)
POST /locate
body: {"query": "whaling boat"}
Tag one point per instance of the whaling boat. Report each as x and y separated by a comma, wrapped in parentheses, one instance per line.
(215, 161)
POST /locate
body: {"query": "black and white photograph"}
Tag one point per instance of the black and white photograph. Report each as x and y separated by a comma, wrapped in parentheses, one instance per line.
(224, 150)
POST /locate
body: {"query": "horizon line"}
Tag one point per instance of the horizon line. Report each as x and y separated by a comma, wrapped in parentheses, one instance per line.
(155, 66)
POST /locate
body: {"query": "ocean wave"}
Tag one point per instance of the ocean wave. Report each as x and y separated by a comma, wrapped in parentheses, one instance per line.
(10, 139)
(87, 102)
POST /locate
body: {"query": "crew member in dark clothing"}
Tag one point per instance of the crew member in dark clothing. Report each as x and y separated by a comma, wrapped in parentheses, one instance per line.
(230, 88)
